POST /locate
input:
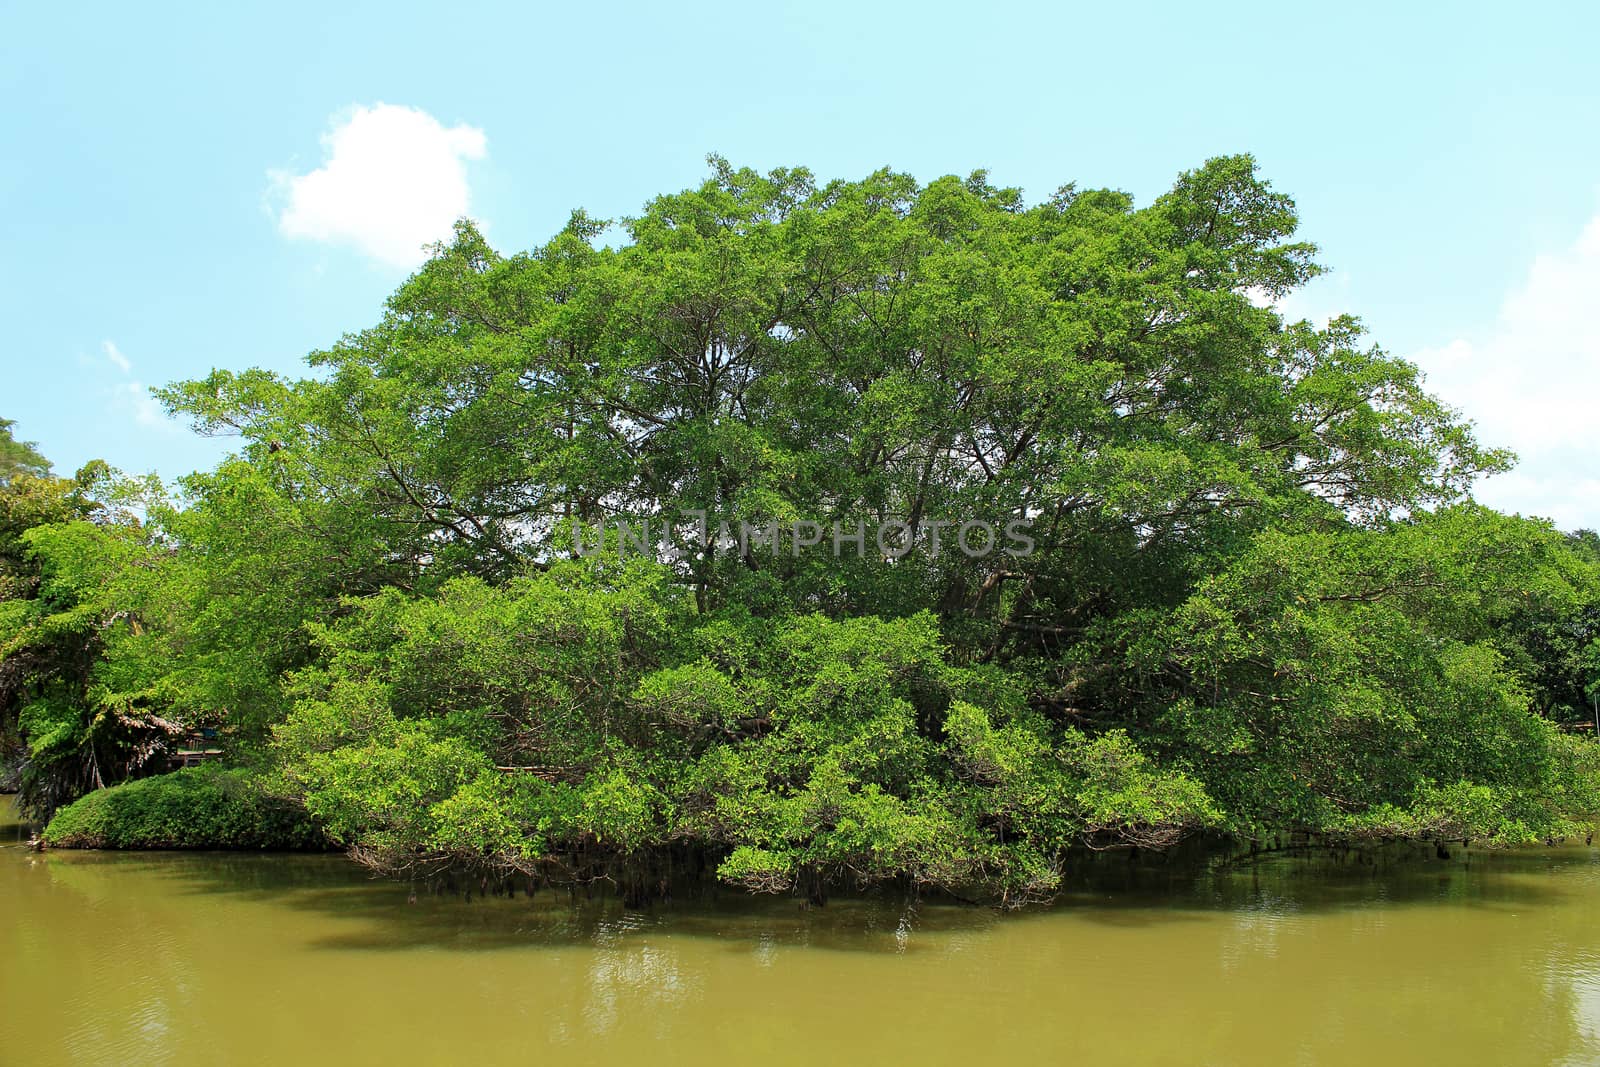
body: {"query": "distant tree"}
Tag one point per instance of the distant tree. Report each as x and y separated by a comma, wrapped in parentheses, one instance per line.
(18, 457)
(68, 549)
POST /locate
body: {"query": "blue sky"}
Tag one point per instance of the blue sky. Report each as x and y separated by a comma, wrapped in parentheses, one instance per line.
(203, 187)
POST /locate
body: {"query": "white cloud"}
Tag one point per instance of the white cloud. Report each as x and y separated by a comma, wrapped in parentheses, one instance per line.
(394, 180)
(134, 398)
(1318, 301)
(114, 354)
(1531, 382)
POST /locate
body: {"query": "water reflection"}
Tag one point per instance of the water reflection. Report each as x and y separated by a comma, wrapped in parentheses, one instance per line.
(199, 958)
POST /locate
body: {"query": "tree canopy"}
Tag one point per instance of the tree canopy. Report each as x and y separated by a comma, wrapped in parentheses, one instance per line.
(19, 457)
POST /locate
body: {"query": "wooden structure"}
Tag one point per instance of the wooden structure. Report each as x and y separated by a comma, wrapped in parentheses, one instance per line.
(196, 747)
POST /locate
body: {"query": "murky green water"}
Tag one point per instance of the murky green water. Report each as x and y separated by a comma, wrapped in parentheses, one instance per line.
(302, 960)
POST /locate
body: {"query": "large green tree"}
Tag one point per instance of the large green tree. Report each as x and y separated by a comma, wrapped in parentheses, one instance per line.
(1257, 596)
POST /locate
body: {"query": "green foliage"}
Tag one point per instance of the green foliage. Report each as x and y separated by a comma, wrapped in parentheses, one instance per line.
(1259, 597)
(19, 457)
(74, 709)
(200, 807)
(1325, 676)
(557, 716)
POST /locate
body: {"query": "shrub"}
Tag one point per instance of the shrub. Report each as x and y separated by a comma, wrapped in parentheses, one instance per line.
(198, 807)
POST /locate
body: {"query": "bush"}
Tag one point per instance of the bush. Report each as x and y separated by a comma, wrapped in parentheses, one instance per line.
(198, 807)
